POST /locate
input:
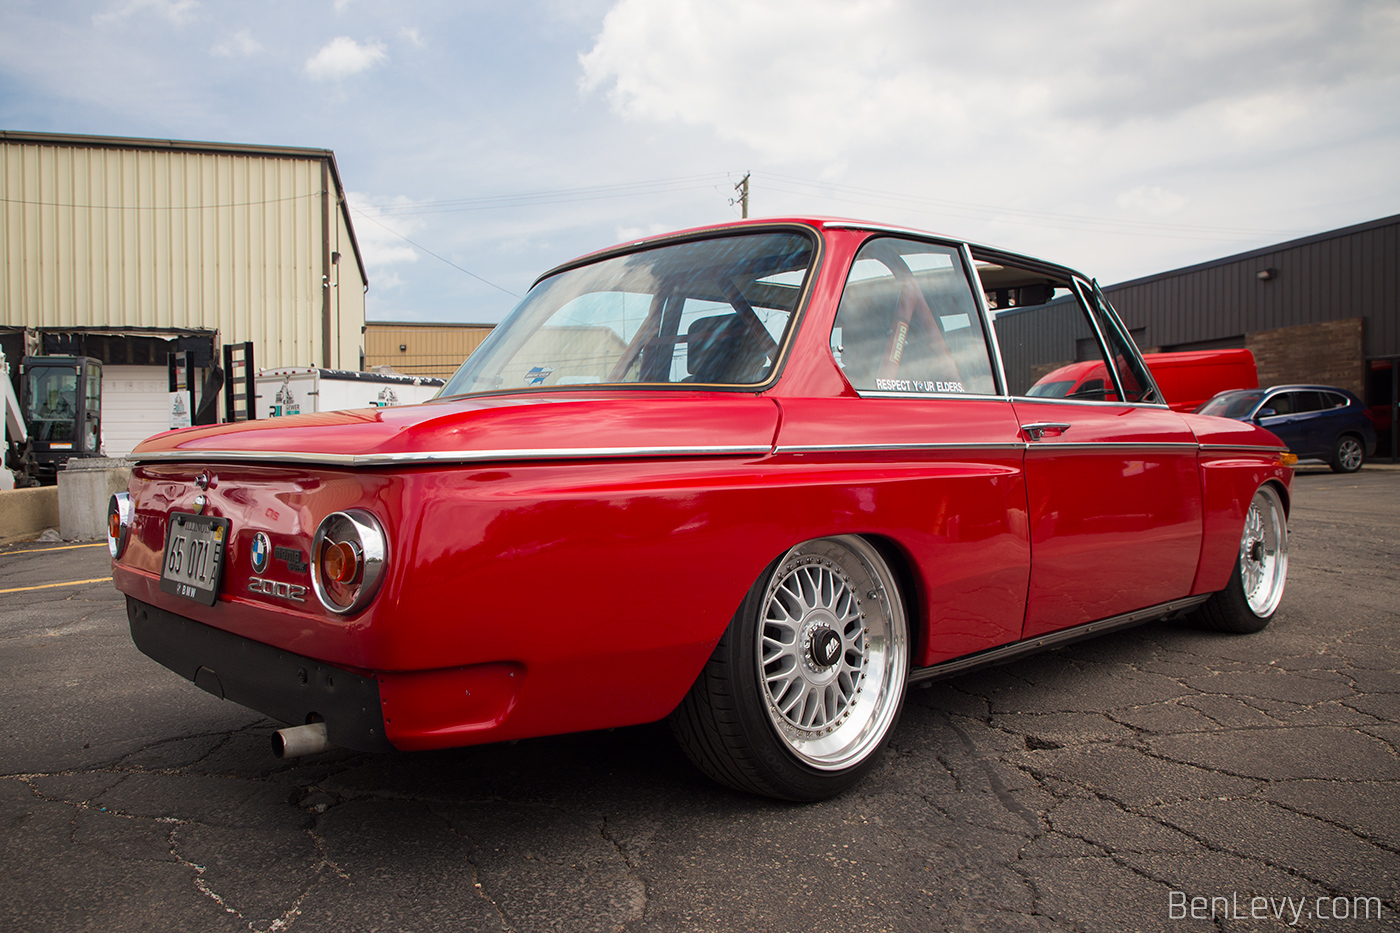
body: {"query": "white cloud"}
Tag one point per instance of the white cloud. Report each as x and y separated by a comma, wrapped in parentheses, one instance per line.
(821, 80)
(178, 12)
(342, 57)
(412, 35)
(626, 234)
(240, 43)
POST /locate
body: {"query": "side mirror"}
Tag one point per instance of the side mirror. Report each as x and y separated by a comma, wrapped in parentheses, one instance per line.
(1264, 413)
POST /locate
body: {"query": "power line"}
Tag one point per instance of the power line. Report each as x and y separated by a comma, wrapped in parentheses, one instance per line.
(557, 195)
(160, 207)
(831, 191)
(419, 246)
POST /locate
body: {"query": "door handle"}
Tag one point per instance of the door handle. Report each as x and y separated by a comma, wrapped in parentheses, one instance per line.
(1043, 429)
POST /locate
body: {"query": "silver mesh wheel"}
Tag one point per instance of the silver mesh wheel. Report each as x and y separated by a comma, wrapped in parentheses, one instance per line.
(832, 651)
(1264, 552)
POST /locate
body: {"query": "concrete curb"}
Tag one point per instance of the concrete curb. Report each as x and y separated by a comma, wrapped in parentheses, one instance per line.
(27, 512)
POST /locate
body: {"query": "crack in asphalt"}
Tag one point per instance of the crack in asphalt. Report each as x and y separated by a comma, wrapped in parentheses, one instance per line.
(640, 900)
(1009, 792)
(478, 886)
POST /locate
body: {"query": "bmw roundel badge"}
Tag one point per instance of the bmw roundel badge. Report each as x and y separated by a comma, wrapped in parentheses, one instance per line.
(262, 548)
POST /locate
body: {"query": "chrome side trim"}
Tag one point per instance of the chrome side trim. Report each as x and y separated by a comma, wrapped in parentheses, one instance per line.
(440, 456)
(1019, 649)
(1018, 445)
(840, 448)
(1119, 445)
(1257, 447)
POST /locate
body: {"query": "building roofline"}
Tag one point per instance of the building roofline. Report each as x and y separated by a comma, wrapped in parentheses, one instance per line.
(137, 142)
(1257, 253)
(187, 145)
(432, 323)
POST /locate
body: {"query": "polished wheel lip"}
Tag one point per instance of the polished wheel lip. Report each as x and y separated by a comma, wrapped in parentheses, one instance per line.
(832, 717)
(1350, 454)
(1264, 552)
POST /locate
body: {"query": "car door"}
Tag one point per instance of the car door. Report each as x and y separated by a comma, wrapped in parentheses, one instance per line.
(1285, 420)
(1314, 422)
(924, 450)
(1112, 482)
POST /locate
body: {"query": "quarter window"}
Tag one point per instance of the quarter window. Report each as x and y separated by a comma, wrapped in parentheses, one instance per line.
(908, 322)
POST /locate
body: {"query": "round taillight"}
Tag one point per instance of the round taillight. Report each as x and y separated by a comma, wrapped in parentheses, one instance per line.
(340, 561)
(118, 523)
(349, 554)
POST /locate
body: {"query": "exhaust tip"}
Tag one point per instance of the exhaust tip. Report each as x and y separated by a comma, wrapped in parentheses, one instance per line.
(295, 741)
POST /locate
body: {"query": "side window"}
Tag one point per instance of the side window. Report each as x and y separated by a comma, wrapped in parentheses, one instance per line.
(1049, 347)
(1132, 373)
(1333, 400)
(1309, 401)
(908, 322)
(1282, 404)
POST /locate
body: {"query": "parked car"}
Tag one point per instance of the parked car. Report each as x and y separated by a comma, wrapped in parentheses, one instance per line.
(1186, 379)
(1316, 422)
(756, 478)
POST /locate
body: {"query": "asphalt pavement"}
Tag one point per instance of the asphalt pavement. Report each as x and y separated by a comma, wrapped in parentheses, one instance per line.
(1159, 779)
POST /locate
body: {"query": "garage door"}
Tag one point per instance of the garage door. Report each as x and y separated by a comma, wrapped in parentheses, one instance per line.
(135, 405)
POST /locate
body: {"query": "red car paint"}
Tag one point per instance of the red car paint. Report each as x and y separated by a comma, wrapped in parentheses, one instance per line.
(573, 554)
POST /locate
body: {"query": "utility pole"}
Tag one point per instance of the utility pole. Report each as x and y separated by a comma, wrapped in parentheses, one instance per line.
(743, 188)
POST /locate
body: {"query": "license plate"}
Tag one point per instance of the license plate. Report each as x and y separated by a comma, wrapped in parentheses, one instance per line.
(194, 556)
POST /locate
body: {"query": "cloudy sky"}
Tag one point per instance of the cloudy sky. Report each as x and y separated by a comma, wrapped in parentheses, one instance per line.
(483, 142)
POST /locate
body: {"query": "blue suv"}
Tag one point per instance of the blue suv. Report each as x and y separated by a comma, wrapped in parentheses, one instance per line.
(1316, 422)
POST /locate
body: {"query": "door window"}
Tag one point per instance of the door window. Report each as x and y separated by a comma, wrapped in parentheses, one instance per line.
(1309, 401)
(1050, 347)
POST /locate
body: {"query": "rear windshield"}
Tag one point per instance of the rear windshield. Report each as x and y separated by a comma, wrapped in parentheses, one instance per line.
(1232, 404)
(699, 312)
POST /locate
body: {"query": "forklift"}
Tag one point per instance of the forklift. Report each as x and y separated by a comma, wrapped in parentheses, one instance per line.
(61, 402)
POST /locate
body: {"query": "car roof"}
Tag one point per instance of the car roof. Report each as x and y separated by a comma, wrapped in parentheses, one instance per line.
(1309, 388)
(816, 223)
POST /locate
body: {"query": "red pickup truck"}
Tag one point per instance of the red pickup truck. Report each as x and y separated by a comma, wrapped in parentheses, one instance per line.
(1186, 379)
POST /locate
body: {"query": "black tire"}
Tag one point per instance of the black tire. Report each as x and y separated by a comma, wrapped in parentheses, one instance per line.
(1248, 602)
(843, 711)
(1347, 454)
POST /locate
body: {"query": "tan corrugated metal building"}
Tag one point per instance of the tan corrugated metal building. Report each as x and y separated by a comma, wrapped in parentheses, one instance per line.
(425, 349)
(123, 249)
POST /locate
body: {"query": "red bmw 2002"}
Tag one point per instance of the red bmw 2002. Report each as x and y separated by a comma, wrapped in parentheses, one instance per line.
(757, 478)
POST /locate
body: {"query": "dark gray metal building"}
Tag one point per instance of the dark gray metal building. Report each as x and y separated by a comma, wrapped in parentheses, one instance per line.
(1321, 309)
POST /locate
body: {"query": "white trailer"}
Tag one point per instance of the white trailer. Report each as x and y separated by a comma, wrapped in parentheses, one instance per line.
(11, 422)
(300, 390)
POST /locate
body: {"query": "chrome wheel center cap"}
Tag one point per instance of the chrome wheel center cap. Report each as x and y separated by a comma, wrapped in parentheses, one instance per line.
(824, 648)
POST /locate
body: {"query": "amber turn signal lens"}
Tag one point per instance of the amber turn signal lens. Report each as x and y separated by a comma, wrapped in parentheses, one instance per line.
(1287, 459)
(339, 562)
(114, 525)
